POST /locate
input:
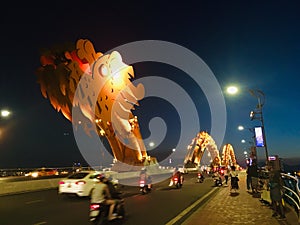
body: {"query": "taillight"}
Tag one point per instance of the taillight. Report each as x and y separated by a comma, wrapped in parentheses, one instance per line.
(94, 206)
(81, 182)
(199, 175)
(61, 182)
(142, 183)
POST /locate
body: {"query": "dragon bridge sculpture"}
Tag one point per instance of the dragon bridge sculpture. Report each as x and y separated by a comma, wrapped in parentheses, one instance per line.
(68, 77)
(228, 156)
(203, 141)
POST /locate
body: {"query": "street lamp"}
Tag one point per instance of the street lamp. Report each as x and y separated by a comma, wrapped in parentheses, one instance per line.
(258, 114)
(5, 113)
(232, 90)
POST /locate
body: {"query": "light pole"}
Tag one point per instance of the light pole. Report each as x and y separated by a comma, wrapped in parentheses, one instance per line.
(253, 154)
(259, 111)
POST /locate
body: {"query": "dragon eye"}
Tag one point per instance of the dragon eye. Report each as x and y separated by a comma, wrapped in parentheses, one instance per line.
(103, 70)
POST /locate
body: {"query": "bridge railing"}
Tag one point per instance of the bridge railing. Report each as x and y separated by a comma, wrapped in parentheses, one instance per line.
(292, 192)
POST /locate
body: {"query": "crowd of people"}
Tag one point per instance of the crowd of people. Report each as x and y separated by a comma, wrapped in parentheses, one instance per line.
(273, 187)
(105, 192)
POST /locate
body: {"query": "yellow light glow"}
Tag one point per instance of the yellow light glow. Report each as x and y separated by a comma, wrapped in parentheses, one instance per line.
(5, 113)
(232, 90)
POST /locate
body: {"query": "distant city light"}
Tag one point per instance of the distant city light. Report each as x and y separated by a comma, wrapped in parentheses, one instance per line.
(232, 90)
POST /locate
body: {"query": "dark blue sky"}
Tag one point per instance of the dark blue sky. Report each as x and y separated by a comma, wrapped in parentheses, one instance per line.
(252, 44)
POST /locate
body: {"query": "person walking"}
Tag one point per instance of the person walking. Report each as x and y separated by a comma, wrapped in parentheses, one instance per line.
(234, 179)
(276, 193)
(248, 179)
(226, 175)
(253, 173)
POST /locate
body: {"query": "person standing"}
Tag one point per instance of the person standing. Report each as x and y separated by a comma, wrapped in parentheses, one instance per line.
(276, 187)
(234, 179)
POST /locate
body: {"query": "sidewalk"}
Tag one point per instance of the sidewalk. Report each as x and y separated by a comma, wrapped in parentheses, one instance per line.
(241, 208)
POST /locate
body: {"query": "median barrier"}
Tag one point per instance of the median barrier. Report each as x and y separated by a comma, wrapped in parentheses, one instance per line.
(16, 187)
(28, 186)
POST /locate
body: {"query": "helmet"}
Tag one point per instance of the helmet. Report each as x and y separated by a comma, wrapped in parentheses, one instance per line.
(100, 176)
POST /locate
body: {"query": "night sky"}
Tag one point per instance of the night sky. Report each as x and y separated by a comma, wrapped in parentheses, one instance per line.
(251, 44)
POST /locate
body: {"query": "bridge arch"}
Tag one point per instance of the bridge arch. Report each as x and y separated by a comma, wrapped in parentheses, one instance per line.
(228, 156)
(195, 150)
(203, 141)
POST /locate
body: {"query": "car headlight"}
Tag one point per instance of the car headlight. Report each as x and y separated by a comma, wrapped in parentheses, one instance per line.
(35, 174)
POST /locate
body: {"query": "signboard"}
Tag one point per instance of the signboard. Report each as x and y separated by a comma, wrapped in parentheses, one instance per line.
(259, 137)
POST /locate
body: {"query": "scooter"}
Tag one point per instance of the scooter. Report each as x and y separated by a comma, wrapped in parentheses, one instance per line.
(218, 181)
(99, 212)
(200, 178)
(177, 180)
(144, 187)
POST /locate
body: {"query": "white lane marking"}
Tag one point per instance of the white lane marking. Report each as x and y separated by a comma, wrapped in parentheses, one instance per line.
(184, 212)
(40, 223)
(34, 201)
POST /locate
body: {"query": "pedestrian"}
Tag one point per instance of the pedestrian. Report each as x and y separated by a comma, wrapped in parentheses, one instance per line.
(253, 173)
(226, 175)
(234, 179)
(276, 193)
(248, 179)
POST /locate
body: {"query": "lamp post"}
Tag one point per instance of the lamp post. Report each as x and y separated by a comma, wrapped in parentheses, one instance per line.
(253, 154)
(259, 111)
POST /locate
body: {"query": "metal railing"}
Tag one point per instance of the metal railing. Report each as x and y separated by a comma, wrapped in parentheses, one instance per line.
(292, 192)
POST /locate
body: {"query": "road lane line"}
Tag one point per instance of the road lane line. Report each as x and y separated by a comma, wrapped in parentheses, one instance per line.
(34, 201)
(188, 209)
(40, 223)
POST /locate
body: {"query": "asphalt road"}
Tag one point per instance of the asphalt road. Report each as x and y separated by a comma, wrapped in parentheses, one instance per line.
(158, 207)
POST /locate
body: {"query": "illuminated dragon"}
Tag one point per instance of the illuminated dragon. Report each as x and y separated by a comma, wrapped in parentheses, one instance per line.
(203, 141)
(100, 87)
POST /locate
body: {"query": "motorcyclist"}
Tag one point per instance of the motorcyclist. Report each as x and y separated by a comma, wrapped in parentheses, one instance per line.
(217, 178)
(146, 177)
(178, 174)
(115, 194)
(101, 194)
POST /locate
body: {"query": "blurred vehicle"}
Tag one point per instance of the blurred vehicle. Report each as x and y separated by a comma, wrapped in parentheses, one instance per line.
(80, 183)
(177, 180)
(200, 177)
(99, 212)
(182, 169)
(42, 172)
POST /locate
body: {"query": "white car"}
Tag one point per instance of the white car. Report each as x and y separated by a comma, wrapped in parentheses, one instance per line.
(79, 183)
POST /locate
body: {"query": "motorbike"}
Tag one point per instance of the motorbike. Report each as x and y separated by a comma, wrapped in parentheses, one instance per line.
(144, 187)
(177, 180)
(200, 178)
(217, 180)
(99, 212)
